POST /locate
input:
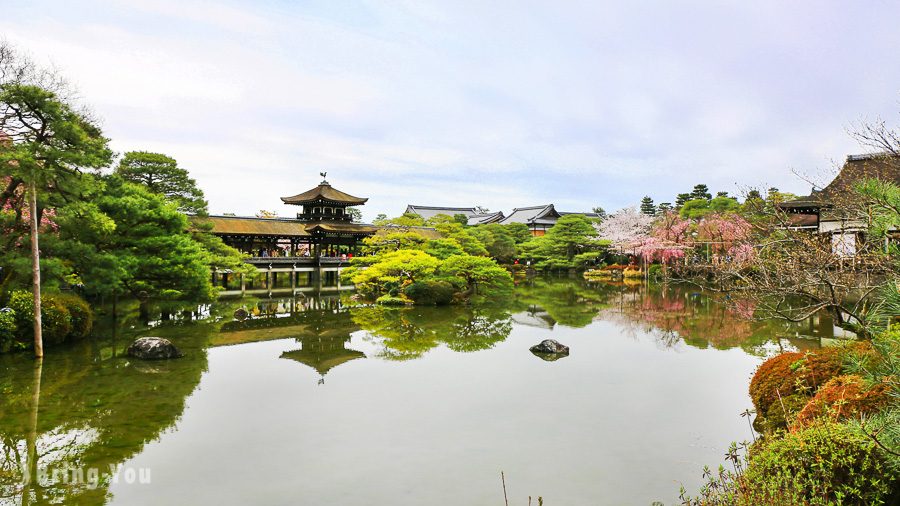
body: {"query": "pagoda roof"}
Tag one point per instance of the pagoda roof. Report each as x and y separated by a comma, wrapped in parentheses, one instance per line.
(324, 193)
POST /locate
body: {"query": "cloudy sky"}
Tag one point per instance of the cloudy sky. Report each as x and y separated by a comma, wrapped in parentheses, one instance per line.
(499, 104)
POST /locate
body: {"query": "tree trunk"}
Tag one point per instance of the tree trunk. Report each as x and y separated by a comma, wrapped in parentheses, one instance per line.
(36, 274)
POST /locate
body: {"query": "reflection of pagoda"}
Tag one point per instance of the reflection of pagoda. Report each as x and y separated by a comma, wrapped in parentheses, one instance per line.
(324, 346)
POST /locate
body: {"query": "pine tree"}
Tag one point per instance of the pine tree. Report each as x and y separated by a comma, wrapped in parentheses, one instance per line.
(681, 199)
(663, 208)
(700, 191)
(647, 206)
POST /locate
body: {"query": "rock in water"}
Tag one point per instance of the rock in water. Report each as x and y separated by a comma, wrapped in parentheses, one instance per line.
(153, 348)
(551, 347)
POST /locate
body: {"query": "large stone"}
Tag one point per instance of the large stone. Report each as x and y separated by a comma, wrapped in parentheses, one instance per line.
(550, 348)
(153, 348)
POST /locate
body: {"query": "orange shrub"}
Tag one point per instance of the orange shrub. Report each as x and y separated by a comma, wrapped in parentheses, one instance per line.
(773, 378)
(843, 397)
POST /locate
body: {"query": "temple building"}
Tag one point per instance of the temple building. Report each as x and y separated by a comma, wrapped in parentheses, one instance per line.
(474, 215)
(539, 218)
(320, 239)
(323, 228)
(821, 211)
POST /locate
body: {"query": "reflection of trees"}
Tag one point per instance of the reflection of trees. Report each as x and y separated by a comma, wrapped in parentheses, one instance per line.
(408, 333)
(566, 302)
(85, 408)
(677, 313)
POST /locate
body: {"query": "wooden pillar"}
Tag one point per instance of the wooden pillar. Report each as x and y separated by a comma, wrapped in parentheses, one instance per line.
(243, 284)
(294, 277)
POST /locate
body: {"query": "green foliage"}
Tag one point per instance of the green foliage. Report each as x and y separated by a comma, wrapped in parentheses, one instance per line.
(80, 312)
(152, 250)
(519, 232)
(161, 175)
(573, 235)
(498, 240)
(724, 204)
(475, 272)
(700, 191)
(695, 209)
(430, 293)
(647, 206)
(55, 318)
(394, 240)
(823, 464)
(7, 329)
(390, 300)
(407, 220)
(462, 235)
(402, 266)
(443, 248)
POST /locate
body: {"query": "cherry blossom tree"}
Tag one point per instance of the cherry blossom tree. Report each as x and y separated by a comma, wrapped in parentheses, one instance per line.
(626, 229)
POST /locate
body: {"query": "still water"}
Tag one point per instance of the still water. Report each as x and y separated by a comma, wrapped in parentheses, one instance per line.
(316, 400)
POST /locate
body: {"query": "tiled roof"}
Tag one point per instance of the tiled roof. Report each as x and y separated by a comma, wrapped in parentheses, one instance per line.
(282, 227)
(427, 212)
(485, 218)
(243, 225)
(530, 214)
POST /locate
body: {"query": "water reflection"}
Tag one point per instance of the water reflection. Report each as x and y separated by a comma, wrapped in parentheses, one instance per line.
(69, 420)
(88, 407)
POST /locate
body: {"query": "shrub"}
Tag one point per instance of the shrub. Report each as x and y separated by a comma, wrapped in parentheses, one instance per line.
(390, 300)
(826, 463)
(55, 317)
(774, 378)
(794, 372)
(7, 329)
(82, 315)
(22, 302)
(781, 413)
(843, 397)
(56, 320)
(432, 293)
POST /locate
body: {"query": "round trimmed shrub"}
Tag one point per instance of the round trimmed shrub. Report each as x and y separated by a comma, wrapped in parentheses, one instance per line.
(81, 313)
(56, 320)
(826, 463)
(390, 300)
(773, 378)
(430, 293)
(844, 397)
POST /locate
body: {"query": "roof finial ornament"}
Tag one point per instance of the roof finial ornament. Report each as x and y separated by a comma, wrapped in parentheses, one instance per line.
(323, 174)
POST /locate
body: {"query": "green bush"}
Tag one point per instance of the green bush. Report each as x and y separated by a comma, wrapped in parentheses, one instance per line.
(7, 329)
(826, 463)
(432, 293)
(56, 320)
(390, 300)
(82, 315)
(63, 316)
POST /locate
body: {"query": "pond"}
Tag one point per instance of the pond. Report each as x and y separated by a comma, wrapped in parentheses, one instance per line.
(314, 399)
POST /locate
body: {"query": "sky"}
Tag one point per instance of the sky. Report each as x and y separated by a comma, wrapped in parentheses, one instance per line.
(500, 104)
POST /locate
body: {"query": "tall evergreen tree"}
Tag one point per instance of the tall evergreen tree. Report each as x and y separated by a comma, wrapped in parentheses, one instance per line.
(161, 175)
(663, 208)
(647, 206)
(700, 191)
(681, 199)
